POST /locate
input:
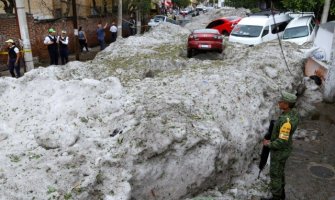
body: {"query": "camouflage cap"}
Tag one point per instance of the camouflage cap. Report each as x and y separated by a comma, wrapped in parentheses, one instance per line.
(288, 97)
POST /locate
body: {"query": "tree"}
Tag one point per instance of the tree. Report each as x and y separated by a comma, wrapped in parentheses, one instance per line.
(9, 6)
(302, 5)
(243, 3)
(181, 3)
(315, 6)
(95, 9)
(325, 12)
(310, 5)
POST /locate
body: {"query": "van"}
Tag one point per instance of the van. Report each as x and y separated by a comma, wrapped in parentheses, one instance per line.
(258, 28)
(300, 30)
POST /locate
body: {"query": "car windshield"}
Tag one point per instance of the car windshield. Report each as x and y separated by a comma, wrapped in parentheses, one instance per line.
(246, 31)
(159, 18)
(296, 32)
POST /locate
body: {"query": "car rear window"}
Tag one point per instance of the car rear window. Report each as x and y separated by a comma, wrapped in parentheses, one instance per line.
(214, 31)
(159, 18)
(215, 23)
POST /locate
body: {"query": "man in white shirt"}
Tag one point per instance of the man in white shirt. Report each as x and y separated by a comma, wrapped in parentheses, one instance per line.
(113, 30)
(63, 42)
(52, 43)
(13, 58)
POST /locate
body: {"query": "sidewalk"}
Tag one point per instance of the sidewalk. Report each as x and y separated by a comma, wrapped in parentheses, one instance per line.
(310, 173)
(83, 56)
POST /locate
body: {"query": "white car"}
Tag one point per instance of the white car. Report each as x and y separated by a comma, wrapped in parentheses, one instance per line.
(160, 19)
(300, 30)
(259, 27)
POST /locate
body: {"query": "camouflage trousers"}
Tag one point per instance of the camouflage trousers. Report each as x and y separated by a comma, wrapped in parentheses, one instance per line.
(277, 174)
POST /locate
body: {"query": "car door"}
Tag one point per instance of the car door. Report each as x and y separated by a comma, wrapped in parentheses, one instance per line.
(313, 29)
(266, 34)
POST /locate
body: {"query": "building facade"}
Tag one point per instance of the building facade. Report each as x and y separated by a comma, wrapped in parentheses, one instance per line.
(53, 9)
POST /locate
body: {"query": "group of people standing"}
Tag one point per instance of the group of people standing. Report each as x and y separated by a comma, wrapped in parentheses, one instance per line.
(57, 46)
(101, 34)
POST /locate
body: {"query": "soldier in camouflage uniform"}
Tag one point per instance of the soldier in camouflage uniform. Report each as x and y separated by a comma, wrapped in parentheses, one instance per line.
(281, 144)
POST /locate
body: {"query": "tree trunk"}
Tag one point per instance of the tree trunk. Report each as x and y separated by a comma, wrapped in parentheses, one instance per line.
(268, 4)
(325, 12)
(95, 10)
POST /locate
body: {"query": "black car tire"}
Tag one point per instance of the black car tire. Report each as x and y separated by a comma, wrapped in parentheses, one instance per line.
(220, 51)
(189, 53)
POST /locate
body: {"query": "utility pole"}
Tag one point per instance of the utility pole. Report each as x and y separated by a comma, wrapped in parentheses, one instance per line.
(24, 33)
(119, 19)
(325, 12)
(75, 28)
(138, 19)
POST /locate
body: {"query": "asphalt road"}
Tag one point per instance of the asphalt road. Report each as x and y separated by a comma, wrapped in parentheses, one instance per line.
(310, 170)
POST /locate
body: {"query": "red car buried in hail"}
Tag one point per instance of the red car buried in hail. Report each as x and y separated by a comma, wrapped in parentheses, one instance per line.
(204, 40)
(225, 24)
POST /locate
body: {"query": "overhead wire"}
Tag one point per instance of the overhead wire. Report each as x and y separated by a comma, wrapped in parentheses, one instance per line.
(280, 44)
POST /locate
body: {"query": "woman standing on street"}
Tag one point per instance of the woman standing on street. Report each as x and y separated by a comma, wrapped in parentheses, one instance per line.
(82, 39)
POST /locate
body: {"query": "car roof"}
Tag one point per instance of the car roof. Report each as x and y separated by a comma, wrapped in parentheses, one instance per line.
(261, 20)
(254, 20)
(206, 30)
(299, 21)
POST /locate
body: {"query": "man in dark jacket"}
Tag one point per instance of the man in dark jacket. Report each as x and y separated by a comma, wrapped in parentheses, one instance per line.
(281, 144)
(13, 58)
(63, 42)
(51, 41)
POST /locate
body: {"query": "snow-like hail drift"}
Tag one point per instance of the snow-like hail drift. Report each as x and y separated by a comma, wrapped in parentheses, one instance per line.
(141, 120)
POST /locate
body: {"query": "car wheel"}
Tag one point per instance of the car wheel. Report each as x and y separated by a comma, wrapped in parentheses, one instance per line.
(189, 53)
(220, 51)
(225, 33)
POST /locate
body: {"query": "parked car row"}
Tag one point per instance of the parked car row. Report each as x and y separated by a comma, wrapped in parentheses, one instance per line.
(253, 30)
(263, 27)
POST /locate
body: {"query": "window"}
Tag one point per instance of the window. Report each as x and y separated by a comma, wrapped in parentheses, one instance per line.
(279, 27)
(159, 18)
(265, 31)
(246, 30)
(296, 32)
(215, 23)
